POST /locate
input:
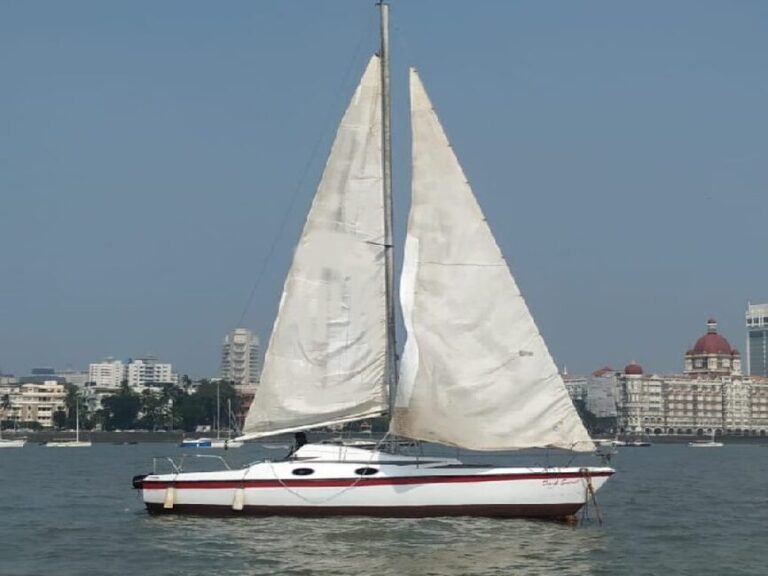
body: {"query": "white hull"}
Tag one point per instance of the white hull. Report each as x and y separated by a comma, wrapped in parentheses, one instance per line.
(352, 481)
(12, 443)
(711, 443)
(68, 444)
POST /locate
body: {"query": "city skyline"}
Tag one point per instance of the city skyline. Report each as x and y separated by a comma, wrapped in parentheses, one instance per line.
(599, 366)
(157, 161)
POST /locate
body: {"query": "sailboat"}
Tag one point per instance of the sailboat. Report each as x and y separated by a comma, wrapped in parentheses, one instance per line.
(706, 443)
(475, 372)
(218, 442)
(76, 443)
(11, 442)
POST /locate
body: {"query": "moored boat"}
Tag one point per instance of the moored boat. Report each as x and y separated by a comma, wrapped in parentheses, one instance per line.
(475, 371)
(320, 480)
(711, 443)
(224, 443)
(71, 443)
(12, 442)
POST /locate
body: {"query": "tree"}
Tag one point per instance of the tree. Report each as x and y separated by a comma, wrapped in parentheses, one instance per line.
(5, 403)
(191, 412)
(212, 409)
(151, 409)
(74, 408)
(121, 409)
(60, 419)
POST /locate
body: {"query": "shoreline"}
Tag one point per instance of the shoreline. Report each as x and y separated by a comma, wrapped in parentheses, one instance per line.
(175, 437)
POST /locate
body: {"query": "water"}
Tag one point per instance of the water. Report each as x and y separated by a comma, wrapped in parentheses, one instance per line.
(669, 510)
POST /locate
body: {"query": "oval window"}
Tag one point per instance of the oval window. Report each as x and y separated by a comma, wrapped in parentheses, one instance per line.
(366, 471)
(302, 471)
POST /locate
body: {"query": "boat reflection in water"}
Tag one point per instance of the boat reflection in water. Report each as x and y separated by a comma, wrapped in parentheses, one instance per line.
(395, 547)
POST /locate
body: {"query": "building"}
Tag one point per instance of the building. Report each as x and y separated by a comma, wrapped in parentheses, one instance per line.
(143, 372)
(68, 375)
(240, 358)
(138, 373)
(710, 395)
(107, 374)
(712, 355)
(757, 340)
(38, 375)
(33, 402)
(598, 391)
(75, 377)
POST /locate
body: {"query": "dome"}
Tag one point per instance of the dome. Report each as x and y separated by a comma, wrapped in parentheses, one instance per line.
(712, 342)
(604, 371)
(633, 369)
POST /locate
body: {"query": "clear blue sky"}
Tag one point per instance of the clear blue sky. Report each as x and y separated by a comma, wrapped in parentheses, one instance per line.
(149, 152)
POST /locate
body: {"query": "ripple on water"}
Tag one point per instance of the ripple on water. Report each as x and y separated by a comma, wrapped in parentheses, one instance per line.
(667, 512)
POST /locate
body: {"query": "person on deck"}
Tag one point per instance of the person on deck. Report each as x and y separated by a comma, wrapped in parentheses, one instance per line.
(299, 439)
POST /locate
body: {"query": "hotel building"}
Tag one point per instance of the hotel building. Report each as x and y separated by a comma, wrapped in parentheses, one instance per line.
(711, 394)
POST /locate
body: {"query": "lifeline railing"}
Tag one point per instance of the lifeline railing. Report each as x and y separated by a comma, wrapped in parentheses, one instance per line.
(178, 467)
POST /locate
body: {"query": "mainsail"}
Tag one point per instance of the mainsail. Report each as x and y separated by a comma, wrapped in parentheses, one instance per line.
(475, 371)
(325, 362)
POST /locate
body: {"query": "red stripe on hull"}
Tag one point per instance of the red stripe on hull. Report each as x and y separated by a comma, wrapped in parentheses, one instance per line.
(547, 511)
(363, 481)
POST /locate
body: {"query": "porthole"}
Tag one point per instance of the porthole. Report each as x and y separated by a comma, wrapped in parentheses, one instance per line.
(302, 471)
(366, 471)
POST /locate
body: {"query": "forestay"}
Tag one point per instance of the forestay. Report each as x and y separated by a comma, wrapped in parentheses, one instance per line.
(325, 362)
(475, 371)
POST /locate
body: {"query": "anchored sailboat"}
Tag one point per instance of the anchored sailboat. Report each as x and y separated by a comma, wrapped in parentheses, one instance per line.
(11, 442)
(76, 443)
(475, 373)
(218, 442)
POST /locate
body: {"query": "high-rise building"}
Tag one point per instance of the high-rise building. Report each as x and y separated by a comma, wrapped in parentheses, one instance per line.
(141, 372)
(757, 339)
(240, 359)
(106, 374)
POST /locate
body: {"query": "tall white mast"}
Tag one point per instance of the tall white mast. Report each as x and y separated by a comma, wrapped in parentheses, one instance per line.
(386, 148)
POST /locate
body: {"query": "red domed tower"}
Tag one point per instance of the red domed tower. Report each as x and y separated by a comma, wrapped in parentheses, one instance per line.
(633, 369)
(712, 354)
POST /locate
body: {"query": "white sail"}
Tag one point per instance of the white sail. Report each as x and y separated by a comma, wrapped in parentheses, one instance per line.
(475, 371)
(325, 362)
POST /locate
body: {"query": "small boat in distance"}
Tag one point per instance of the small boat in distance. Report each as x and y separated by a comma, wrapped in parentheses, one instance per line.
(635, 441)
(76, 443)
(218, 442)
(12, 443)
(616, 443)
(706, 443)
(224, 443)
(631, 443)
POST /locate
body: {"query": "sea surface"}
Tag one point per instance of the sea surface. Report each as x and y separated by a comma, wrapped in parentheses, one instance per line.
(669, 510)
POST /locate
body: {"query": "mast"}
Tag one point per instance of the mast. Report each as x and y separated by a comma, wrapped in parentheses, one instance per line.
(386, 150)
(218, 410)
